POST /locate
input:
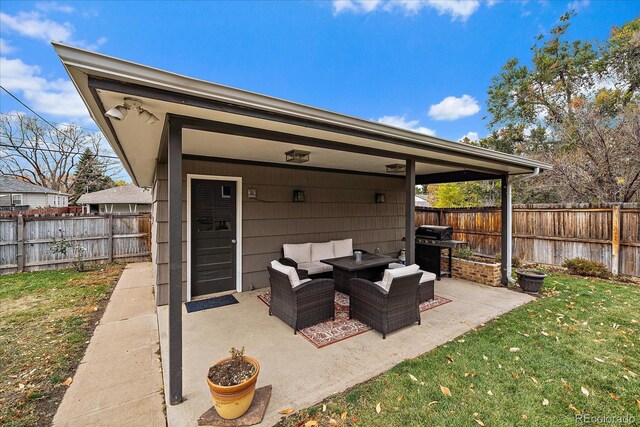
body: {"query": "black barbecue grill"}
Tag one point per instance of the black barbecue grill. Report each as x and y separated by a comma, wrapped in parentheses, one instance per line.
(430, 240)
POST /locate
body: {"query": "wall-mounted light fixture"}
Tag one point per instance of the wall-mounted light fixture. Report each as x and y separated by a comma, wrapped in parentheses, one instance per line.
(296, 156)
(380, 198)
(119, 112)
(298, 196)
(396, 168)
(252, 193)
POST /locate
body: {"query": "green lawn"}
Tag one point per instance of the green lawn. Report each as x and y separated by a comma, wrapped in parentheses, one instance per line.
(575, 351)
(46, 319)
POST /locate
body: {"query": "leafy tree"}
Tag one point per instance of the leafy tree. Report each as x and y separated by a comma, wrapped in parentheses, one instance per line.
(620, 60)
(464, 194)
(90, 175)
(543, 93)
(576, 107)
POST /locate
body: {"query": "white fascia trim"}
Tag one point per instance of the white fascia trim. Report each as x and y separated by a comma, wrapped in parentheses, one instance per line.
(98, 64)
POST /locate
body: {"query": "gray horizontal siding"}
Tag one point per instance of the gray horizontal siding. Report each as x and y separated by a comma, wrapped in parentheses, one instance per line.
(338, 205)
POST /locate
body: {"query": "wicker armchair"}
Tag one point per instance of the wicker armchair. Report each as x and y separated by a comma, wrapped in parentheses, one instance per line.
(385, 311)
(307, 304)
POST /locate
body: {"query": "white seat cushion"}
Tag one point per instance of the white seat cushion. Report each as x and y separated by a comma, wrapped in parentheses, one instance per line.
(299, 253)
(427, 276)
(379, 284)
(392, 273)
(315, 267)
(396, 265)
(291, 272)
(304, 281)
(342, 247)
(320, 251)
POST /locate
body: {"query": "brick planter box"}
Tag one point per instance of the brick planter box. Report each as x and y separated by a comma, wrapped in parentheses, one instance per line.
(487, 273)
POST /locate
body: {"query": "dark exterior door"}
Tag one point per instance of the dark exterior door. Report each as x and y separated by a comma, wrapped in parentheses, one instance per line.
(213, 236)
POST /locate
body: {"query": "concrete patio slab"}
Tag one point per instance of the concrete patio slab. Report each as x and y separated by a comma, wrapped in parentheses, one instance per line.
(302, 374)
(119, 381)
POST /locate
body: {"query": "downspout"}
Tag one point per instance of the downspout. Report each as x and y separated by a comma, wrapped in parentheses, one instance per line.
(509, 253)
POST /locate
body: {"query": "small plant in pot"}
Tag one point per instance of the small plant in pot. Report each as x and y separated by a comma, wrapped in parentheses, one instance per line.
(530, 280)
(232, 382)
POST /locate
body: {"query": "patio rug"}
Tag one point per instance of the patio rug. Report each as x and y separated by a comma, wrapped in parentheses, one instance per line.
(215, 302)
(332, 331)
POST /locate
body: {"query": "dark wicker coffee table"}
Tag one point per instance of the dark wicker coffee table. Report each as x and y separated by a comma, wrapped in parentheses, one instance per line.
(346, 268)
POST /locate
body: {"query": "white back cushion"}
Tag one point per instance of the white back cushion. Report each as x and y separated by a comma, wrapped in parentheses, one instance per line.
(320, 251)
(342, 247)
(289, 271)
(392, 273)
(299, 253)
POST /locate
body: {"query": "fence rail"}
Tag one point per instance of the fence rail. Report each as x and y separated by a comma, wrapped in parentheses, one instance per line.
(25, 242)
(549, 234)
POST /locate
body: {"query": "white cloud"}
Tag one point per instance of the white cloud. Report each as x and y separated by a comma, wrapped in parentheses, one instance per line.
(452, 108)
(356, 6)
(402, 122)
(472, 136)
(578, 5)
(34, 25)
(5, 47)
(458, 9)
(54, 97)
(52, 6)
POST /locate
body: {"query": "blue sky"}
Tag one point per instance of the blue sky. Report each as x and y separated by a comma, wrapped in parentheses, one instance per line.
(424, 65)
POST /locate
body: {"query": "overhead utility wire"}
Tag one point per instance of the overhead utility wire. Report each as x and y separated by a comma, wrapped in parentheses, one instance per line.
(38, 115)
(54, 151)
(50, 124)
(71, 124)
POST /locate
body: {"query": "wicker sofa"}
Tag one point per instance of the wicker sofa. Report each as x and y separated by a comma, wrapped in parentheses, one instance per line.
(308, 256)
(386, 310)
(300, 304)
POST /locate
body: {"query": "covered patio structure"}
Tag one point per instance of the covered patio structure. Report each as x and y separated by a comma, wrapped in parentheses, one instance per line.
(254, 154)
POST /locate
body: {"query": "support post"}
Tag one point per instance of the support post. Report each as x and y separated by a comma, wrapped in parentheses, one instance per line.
(410, 215)
(615, 240)
(175, 262)
(110, 241)
(505, 237)
(20, 243)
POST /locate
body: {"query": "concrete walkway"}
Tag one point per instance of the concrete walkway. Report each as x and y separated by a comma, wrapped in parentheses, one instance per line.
(302, 374)
(119, 381)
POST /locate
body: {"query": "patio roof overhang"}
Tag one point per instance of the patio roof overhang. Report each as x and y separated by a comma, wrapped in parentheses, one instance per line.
(255, 127)
(206, 119)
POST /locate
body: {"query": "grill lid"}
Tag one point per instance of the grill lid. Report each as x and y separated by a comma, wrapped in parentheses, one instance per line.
(436, 232)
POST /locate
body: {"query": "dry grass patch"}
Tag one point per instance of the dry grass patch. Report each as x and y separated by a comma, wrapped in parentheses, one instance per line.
(46, 320)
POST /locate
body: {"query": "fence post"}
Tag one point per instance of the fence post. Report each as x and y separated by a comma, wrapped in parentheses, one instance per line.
(110, 241)
(615, 239)
(20, 243)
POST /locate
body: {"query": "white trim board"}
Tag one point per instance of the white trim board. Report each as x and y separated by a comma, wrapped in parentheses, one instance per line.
(238, 181)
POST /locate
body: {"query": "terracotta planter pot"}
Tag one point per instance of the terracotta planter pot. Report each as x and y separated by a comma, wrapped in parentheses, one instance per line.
(530, 281)
(232, 402)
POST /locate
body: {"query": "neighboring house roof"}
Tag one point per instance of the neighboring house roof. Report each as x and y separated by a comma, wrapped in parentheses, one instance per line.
(124, 194)
(12, 185)
(421, 200)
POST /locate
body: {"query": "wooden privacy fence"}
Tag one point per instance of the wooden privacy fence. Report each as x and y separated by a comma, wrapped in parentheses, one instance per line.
(25, 242)
(549, 234)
